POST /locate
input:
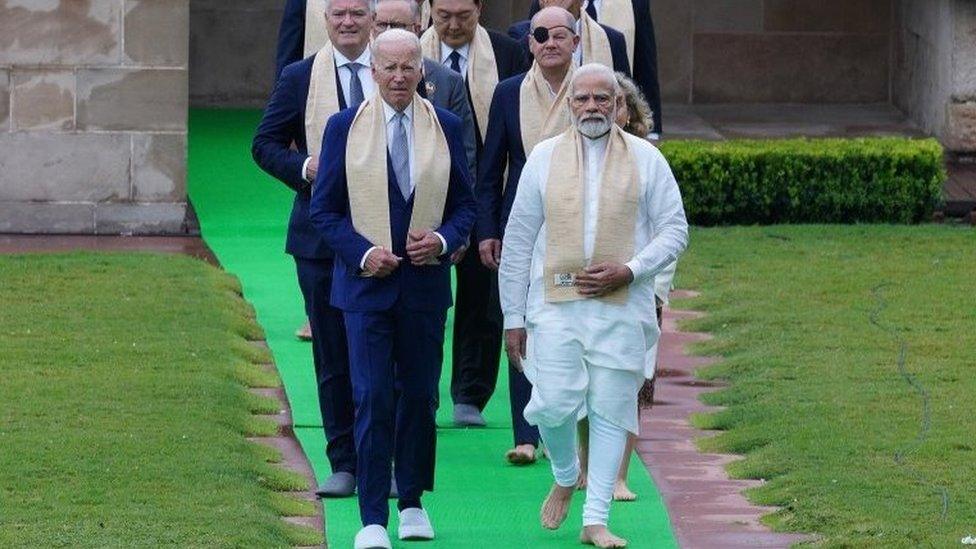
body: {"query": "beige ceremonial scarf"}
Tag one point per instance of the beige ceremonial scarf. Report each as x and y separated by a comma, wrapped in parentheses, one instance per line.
(540, 115)
(564, 203)
(482, 73)
(323, 98)
(366, 174)
(316, 34)
(619, 15)
(594, 41)
(425, 16)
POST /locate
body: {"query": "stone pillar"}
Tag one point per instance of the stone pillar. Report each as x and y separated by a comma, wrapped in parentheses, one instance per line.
(935, 69)
(93, 110)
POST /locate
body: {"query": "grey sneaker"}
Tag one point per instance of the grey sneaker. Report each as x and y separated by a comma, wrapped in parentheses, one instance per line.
(339, 485)
(466, 415)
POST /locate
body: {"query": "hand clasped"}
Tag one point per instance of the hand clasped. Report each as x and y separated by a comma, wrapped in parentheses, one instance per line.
(602, 278)
(422, 246)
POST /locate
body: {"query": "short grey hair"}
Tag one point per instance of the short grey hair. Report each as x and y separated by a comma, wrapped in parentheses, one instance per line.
(397, 35)
(596, 68)
(367, 3)
(414, 8)
(570, 20)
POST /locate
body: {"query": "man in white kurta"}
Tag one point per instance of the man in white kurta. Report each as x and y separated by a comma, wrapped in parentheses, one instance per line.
(585, 352)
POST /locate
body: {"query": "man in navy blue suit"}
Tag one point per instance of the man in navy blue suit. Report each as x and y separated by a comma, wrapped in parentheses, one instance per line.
(618, 46)
(339, 79)
(393, 199)
(505, 146)
(641, 43)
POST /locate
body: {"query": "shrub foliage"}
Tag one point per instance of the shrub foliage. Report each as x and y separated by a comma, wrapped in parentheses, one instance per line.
(863, 180)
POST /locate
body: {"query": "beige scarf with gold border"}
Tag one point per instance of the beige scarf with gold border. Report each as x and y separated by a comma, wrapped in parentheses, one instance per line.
(619, 15)
(564, 205)
(482, 73)
(366, 173)
(542, 116)
(323, 98)
(594, 41)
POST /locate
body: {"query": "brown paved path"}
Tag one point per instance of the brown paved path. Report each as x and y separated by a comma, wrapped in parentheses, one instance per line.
(707, 509)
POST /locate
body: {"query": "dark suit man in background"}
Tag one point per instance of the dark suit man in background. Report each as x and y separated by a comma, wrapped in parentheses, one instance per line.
(306, 94)
(638, 31)
(615, 41)
(482, 57)
(394, 200)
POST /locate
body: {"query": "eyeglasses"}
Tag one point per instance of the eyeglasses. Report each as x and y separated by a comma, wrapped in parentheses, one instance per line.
(601, 99)
(387, 25)
(542, 34)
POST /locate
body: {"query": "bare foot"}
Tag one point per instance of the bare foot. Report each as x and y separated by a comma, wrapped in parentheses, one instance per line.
(556, 506)
(621, 492)
(523, 454)
(598, 535)
(581, 481)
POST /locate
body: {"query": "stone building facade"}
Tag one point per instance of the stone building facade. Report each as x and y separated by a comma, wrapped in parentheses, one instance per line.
(93, 110)
(94, 93)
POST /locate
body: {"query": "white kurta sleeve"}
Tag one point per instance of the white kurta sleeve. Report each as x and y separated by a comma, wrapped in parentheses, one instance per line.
(666, 213)
(524, 223)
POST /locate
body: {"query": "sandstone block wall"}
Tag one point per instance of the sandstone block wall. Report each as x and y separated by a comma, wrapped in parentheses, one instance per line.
(93, 110)
(935, 61)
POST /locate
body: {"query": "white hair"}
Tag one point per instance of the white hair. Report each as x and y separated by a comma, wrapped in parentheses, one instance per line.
(414, 8)
(367, 3)
(596, 68)
(397, 36)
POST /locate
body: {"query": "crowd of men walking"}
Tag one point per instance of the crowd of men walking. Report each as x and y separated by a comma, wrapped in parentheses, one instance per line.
(416, 141)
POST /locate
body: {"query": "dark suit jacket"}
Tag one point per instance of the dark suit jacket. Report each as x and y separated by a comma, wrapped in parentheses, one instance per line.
(645, 56)
(426, 288)
(618, 46)
(503, 146)
(509, 60)
(291, 36)
(450, 93)
(283, 123)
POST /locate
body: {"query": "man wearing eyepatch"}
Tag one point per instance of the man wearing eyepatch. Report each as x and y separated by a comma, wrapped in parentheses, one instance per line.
(525, 110)
(598, 43)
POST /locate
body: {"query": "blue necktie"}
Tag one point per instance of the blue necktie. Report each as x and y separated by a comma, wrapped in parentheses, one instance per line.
(455, 58)
(591, 10)
(400, 154)
(356, 95)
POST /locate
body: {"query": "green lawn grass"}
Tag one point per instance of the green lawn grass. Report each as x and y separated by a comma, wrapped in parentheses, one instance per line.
(122, 417)
(854, 443)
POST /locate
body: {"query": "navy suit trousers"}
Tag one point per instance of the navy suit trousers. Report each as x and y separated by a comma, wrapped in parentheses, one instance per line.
(331, 358)
(396, 359)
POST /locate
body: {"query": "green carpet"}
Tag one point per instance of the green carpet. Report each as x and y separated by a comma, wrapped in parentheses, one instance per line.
(479, 498)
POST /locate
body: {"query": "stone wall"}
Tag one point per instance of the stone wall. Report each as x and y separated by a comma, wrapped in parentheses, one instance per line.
(93, 104)
(935, 68)
(774, 51)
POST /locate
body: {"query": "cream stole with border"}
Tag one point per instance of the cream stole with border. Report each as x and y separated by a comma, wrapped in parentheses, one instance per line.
(366, 173)
(564, 207)
(619, 15)
(424, 16)
(540, 115)
(594, 41)
(316, 34)
(482, 73)
(323, 98)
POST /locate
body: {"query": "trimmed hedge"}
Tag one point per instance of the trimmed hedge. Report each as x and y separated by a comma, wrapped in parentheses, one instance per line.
(862, 180)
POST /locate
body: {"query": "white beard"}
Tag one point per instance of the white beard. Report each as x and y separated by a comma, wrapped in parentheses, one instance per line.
(594, 128)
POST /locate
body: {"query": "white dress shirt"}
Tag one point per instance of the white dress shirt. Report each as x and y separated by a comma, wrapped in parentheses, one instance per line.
(389, 112)
(464, 51)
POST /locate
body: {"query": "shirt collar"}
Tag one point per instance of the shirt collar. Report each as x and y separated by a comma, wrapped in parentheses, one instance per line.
(389, 112)
(446, 51)
(341, 60)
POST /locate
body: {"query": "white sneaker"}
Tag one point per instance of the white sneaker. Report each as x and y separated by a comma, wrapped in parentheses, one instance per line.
(373, 536)
(415, 525)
